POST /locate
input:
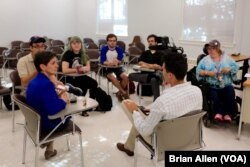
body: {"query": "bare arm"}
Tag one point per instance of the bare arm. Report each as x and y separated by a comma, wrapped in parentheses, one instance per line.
(66, 69)
(151, 66)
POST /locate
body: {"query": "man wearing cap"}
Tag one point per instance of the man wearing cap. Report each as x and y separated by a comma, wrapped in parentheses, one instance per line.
(25, 65)
(219, 71)
(27, 70)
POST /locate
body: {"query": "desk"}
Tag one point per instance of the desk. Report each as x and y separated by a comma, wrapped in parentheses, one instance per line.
(244, 68)
(70, 75)
(74, 108)
(245, 106)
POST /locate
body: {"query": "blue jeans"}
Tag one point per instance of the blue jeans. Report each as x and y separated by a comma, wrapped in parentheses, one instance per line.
(223, 100)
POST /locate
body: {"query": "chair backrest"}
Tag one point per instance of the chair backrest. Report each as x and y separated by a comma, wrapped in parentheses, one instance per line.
(15, 78)
(134, 51)
(122, 45)
(2, 49)
(15, 44)
(91, 46)
(101, 42)
(183, 133)
(57, 43)
(25, 46)
(32, 118)
(140, 45)
(88, 40)
(93, 54)
(57, 50)
(10, 52)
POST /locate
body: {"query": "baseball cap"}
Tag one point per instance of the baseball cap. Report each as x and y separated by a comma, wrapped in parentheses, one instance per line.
(36, 39)
(214, 44)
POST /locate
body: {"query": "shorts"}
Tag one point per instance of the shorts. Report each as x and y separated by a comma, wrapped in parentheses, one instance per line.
(116, 71)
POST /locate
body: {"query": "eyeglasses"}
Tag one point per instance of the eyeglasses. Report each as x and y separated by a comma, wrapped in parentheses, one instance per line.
(209, 48)
(39, 46)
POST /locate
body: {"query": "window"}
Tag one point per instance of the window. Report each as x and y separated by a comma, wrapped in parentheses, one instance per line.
(204, 20)
(112, 17)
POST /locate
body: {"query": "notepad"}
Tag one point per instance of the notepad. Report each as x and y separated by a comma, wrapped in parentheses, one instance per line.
(247, 75)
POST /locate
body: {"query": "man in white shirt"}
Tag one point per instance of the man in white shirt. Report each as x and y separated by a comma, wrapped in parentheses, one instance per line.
(180, 99)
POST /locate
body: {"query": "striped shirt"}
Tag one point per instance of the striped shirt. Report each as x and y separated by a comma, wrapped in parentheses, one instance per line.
(174, 102)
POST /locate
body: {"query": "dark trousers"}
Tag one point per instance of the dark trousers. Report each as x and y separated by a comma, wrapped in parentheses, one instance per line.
(150, 78)
(223, 100)
(84, 82)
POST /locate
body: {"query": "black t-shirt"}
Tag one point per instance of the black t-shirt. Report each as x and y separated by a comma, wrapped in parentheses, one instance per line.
(73, 59)
(150, 58)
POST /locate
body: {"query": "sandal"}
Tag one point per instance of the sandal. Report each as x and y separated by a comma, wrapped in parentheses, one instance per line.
(49, 154)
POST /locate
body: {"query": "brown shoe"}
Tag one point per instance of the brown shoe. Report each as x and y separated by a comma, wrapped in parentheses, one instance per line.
(125, 96)
(49, 154)
(119, 96)
(121, 147)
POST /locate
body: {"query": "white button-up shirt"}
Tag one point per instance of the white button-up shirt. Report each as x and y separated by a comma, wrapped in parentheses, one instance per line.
(174, 102)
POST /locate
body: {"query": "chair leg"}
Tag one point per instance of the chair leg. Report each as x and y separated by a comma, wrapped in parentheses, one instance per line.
(108, 85)
(13, 114)
(1, 103)
(36, 155)
(135, 152)
(81, 149)
(24, 146)
(140, 91)
(68, 142)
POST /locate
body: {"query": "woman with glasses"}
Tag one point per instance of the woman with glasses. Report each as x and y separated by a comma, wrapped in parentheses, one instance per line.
(219, 71)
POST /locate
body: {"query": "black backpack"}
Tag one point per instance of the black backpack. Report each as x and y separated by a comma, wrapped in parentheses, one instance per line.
(104, 100)
(146, 90)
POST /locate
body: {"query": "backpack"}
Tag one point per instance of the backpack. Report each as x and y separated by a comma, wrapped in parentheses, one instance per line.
(104, 100)
(7, 103)
(146, 90)
(131, 85)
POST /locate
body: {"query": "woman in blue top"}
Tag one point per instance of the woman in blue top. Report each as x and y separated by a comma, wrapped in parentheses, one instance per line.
(219, 70)
(42, 96)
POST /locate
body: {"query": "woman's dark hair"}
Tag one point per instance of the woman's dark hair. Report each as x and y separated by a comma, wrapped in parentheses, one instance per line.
(205, 48)
(176, 63)
(111, 36)
(43, 57)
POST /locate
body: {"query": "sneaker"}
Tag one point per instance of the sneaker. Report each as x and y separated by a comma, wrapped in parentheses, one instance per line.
(227, 118)
(74, 90)
(218, 117)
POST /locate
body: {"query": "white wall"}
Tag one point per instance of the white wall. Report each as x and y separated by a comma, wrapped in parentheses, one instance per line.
(164, 18)
(21, 19)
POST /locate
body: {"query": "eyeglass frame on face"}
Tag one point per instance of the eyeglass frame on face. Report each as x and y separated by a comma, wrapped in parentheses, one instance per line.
(211, 47)
(43, 46)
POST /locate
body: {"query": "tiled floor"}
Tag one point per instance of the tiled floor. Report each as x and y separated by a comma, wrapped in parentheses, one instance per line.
(101, 132)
